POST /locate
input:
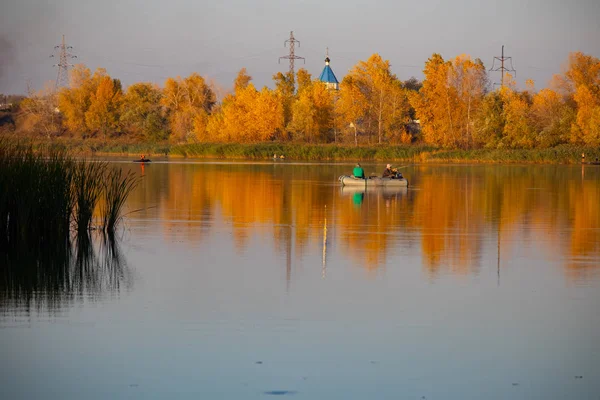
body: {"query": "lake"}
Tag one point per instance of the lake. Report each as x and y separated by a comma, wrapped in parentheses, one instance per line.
(257, 280)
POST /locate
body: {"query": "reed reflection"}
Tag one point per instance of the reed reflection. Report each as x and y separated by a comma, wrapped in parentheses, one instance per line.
(458, 215)
(50, 277)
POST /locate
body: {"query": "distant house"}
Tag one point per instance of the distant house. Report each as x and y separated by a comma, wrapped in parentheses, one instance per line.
(328, 77)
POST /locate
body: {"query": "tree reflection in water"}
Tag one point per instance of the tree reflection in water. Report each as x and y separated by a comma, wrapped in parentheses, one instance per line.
(52, 276)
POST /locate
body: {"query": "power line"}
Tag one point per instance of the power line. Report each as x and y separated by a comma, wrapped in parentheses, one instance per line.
(501, 68)
(292, 56)
(62, 77)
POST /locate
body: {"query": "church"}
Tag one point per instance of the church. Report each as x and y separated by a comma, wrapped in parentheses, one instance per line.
(328, 77)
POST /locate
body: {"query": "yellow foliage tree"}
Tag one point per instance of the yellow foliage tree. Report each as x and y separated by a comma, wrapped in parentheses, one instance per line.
(285, 88)
(188, 102)
(551, 118)
(580, 84)
(451, 96)
(382, 101)
(249, 116)
(433, 103)
(312, 117)
(351, 106)
(102, 115)
(242, 80)
(518, 131)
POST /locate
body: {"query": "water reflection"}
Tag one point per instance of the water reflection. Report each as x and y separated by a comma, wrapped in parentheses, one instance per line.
(54, 276)
(458, 216)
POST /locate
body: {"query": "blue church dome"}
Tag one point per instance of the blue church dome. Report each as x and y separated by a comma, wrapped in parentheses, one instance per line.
(328, 77)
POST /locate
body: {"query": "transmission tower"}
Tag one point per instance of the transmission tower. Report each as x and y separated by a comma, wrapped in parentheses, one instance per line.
(501, 68)
(292, 56)
(62, 77)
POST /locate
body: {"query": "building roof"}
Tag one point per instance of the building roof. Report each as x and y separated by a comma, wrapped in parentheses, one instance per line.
(327, 75)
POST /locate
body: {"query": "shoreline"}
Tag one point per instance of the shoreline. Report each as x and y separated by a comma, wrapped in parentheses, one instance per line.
(413, 153)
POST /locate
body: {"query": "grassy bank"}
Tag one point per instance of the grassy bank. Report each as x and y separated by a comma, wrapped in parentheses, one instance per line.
(295, 151)
(419, 153)
(565, 154)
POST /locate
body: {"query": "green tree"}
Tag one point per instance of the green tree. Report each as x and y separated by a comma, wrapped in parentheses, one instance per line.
(141, 112)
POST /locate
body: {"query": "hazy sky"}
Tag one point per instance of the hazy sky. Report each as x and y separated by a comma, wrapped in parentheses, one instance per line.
(150, 40)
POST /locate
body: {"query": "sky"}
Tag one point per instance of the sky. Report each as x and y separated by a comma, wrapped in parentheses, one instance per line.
(152, 40)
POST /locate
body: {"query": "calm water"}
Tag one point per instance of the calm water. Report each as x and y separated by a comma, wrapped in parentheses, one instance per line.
(242, 281)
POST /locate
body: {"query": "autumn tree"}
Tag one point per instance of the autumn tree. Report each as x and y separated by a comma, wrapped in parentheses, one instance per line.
(451, 95)
(39, 113)
(102, 115)
(75, 101)
(188, 104)
(312, 117)
(489, 121)
(141, 112)
(518, 131)
(383, 101)
(412, 85)
(583, 82)
(242, 80)
(285, 90)
(248, 116)
(469, 79)
(433, 103)
(551, 118)
(304, 79)
(351, 106)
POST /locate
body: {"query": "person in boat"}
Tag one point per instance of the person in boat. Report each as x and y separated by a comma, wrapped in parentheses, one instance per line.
(281, 157)
(275, 156)
(142, 157)
(388, 172)
(358, 172)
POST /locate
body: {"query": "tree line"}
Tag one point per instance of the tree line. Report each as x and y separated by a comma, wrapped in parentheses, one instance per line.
(455, 106)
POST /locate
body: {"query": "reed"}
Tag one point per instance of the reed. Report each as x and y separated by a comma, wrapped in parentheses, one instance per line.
(117, 187)
(87, 188)
(45, 195)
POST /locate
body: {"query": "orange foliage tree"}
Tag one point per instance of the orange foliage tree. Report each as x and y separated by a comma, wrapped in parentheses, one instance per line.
(102, 115)
(75, 101)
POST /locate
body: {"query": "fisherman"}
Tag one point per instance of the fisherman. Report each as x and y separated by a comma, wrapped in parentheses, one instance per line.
(387, 172)
(142, 157)
(358, 172)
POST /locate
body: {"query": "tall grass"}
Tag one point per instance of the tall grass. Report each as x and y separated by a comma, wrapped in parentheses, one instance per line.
(117, 187)
(88, 180)
(45, 195)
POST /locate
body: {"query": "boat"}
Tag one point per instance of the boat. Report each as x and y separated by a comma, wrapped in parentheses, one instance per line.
(373, 181)
(591, 163)
(375, 190)
(143, 160)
